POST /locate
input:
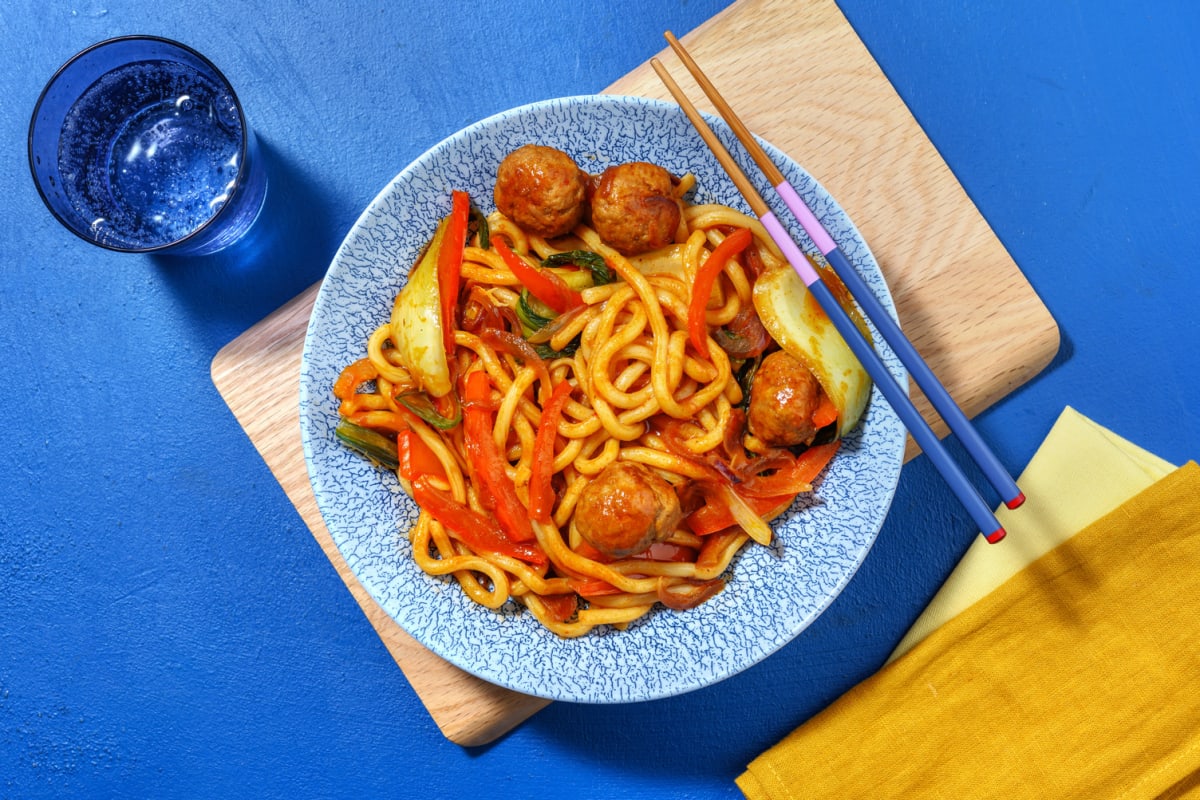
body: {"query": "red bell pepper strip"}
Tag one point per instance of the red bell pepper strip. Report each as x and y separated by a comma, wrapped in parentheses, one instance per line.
(592, 587)
(560, 607)
(826, 413)
(587, 551)
(541, 493)
(541, 283)
(417, 458)
(478, 531)
(766, 495)
(797, 477)
(706, 276)
(715, 515)
(449, 266)
(488, 463)
(354, 375)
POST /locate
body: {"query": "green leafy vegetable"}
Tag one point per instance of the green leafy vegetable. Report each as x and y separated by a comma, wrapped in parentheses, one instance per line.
(375, 446)
(533, 313)
(420, 404)
(479, 224)
(593, 262)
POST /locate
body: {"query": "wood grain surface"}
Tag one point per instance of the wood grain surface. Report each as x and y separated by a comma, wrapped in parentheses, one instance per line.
(800, 78)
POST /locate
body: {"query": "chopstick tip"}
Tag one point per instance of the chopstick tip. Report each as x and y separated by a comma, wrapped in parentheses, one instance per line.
(1016, 501)
(995, 536)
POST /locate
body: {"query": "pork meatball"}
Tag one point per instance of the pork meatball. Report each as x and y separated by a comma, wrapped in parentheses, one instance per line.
(626, 509)
(783, 397)
(541, 189)
(634, 209)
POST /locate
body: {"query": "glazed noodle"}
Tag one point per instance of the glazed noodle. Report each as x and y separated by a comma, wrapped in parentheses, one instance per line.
(592, 460)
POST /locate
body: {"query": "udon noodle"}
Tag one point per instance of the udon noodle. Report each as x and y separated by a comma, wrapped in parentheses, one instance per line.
(508, 443)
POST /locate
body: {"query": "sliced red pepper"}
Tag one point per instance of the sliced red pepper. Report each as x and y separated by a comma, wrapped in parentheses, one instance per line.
(592, 587)
(541, 493)
(766, 495)
(488, 462)
(379, 419)
(417, 458)
(560, 607)
(353, 376)
(587, 551)
(478, 531)
(449, 266)
(541, 283)
(706, 276)
(796, 477)
(715, 515)
(826, 413)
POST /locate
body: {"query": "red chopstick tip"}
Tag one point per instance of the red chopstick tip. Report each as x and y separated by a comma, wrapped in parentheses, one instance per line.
(1016, 501)
(996, 535)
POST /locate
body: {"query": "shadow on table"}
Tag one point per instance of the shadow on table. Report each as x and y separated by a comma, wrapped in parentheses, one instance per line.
(288, 249)
(715, 732)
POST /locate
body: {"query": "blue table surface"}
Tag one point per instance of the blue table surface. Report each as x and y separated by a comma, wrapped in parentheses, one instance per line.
(168, 625)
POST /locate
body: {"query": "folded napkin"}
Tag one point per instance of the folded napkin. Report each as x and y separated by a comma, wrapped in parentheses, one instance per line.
(1056, 664)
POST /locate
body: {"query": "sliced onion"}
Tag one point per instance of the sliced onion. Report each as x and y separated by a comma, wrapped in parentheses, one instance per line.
(744, 515)
(518, 347)
(547, 331)
(682, 596)
(744, 336)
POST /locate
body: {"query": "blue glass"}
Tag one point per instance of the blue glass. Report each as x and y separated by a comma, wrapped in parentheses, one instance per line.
(139, 144)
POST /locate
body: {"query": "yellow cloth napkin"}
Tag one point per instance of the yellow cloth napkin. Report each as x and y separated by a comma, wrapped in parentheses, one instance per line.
(1068, 669)
(1080, 473)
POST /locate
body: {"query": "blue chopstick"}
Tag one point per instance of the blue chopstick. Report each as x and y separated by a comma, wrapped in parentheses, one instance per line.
(888, 328)
(863, 349)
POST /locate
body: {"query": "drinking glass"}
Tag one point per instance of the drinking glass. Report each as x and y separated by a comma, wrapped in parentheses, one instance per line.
(139, 144)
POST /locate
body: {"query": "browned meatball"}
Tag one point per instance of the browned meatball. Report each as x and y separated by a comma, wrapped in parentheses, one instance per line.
(627, 509)
(783, 397)
(541, 189)
(633, 208)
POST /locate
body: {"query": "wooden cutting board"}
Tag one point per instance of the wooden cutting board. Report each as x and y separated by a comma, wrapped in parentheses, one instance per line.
(799, 77)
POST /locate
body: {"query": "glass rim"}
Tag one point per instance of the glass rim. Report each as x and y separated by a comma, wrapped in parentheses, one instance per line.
(243, 145)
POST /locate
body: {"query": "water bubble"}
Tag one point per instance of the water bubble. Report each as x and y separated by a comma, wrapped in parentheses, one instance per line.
(227, 112)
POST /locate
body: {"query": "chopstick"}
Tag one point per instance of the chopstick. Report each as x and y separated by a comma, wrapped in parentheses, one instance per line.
(888, 328)
(863, 349)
